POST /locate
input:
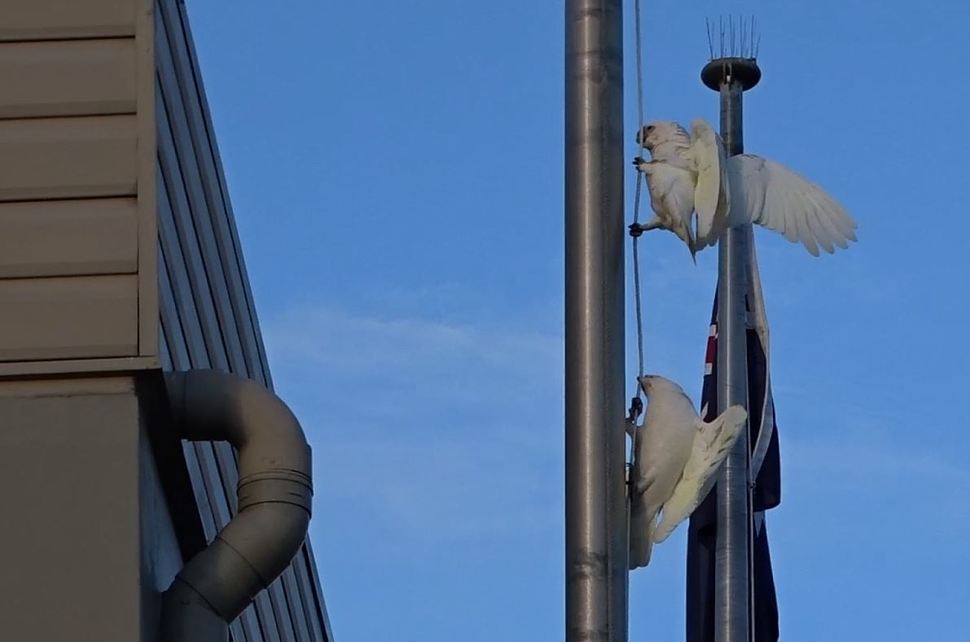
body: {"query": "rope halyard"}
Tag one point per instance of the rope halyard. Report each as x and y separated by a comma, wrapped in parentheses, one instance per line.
(636, 403)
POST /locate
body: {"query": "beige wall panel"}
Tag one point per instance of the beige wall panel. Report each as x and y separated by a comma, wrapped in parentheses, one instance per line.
(63, 318)
(52, 19)
(66, 238)
(67, 78)
(68, 157)
(69, 546)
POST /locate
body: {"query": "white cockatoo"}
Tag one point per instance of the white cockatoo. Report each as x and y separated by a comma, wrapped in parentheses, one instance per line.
(691, 173)
(676, 458)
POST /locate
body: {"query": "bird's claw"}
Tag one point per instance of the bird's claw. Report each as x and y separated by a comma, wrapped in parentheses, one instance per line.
(639, 162)
(636, 230)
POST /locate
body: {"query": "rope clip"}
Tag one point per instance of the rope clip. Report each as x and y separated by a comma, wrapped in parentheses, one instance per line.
(636, 409)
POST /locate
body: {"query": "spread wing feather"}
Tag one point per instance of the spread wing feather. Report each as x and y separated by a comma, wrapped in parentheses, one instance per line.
(770, 194)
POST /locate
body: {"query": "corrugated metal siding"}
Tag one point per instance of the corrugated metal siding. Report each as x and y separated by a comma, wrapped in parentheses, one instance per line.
(207, 315)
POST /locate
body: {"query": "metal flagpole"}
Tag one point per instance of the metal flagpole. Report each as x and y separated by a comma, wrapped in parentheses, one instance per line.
(732, 605)
(596, 514)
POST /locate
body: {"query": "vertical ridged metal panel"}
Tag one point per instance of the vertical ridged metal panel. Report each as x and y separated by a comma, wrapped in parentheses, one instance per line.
(207, 315)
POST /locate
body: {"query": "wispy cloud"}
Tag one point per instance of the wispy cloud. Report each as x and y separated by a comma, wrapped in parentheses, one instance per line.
(357, 343)
(875, 460)
(436, 430)
(444, 489)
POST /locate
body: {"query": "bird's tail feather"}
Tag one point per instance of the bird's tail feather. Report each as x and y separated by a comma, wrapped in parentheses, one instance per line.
(642, 523)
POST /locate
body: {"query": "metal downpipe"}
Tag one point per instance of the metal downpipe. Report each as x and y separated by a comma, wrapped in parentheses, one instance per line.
(274, 496)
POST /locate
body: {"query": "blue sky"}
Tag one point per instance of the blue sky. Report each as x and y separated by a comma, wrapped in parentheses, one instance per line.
(396, 171)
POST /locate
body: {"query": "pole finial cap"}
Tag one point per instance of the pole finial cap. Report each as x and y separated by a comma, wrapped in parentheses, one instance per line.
(721, 71)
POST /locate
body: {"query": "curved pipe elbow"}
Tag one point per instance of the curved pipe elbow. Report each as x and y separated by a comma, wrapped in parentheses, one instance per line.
(274, 492)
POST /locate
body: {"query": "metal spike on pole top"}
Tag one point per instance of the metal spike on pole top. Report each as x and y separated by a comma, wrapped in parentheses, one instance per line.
(733, 69)
(733, 48)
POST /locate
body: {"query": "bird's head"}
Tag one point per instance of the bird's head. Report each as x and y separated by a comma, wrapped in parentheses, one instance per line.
(651, 383)
(645, 382)
(659, 132)
(655, 383)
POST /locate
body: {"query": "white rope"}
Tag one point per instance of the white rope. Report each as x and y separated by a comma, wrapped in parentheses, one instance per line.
(636, 204)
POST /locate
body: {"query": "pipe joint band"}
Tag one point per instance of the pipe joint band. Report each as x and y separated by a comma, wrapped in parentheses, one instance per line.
(276, 486)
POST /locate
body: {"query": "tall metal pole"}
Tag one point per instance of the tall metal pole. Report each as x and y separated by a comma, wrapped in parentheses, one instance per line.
(596, 516)
(732, 606)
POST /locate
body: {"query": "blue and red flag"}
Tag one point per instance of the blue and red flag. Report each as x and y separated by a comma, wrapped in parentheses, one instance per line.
(766, 493)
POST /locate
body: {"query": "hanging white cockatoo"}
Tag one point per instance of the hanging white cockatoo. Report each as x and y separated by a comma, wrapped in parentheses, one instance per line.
(676, 458)
(690, 173)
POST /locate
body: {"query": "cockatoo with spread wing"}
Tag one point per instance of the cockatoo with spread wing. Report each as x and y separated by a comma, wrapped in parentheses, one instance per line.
(690, 173)
(676, 458)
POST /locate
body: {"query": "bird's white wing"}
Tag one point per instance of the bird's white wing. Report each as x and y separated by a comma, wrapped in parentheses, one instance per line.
(770, 194)
(707, 158)
(711, 445)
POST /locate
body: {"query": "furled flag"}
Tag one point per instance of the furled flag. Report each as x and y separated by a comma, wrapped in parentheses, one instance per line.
(765, 464)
